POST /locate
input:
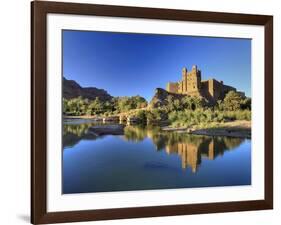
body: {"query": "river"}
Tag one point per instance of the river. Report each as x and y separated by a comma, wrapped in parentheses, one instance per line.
(146, 158)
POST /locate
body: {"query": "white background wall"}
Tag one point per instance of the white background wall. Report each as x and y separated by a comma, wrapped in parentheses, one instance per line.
(15, 110)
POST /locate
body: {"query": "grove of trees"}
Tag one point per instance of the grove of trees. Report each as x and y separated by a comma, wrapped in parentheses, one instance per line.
(79, 106)
(185, 111)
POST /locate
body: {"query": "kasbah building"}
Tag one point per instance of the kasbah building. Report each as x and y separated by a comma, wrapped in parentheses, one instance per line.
(192, 85)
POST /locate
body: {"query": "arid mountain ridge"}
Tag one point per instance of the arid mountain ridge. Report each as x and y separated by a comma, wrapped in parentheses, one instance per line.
(71, 89)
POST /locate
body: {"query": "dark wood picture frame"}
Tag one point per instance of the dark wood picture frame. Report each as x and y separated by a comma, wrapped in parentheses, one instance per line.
(39, 11)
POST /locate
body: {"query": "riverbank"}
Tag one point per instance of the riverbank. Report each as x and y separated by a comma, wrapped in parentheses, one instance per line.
(81, 117)
(238, 128)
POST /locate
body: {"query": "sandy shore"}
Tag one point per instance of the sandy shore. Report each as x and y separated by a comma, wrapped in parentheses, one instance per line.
(241, 129)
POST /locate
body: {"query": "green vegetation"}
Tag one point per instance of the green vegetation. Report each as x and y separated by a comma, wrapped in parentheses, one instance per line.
(80, 107)
(233, 107)
(234, 101)
(124, 104)
(206, 118)
(185, 112)
(186, 103)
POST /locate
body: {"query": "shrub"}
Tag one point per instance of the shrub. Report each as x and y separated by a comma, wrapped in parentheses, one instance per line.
(234, 101)
(156, 115)
(141, 115)
(204, 117)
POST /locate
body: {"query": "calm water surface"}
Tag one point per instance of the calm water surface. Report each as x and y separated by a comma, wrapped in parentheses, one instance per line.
(147, 158)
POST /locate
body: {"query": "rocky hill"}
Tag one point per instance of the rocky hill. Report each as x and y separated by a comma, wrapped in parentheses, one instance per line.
(71, 89)
(160, 98)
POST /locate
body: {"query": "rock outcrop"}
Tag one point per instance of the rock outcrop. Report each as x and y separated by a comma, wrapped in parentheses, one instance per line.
(160, 98)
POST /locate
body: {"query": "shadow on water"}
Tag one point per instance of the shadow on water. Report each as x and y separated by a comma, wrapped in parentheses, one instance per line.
(190, 148)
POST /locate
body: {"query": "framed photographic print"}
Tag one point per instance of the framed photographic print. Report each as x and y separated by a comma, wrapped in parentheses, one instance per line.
(143, 112)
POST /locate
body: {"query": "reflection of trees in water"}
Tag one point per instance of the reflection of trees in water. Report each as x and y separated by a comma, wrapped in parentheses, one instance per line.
(77, 129)
(73, 133)
(190, 148)
(134, 134)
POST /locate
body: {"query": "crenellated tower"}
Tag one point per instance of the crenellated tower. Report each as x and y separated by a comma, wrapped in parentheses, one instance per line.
(191, 81)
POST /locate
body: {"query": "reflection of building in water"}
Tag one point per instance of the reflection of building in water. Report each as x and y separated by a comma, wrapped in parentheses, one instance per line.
(211, 151)
(191, 153)
(190, 148)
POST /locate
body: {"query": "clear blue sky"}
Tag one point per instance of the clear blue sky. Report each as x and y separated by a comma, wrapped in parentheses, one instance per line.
(127, 64)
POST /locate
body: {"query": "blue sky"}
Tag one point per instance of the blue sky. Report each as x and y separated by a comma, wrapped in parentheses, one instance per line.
(126, 64)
